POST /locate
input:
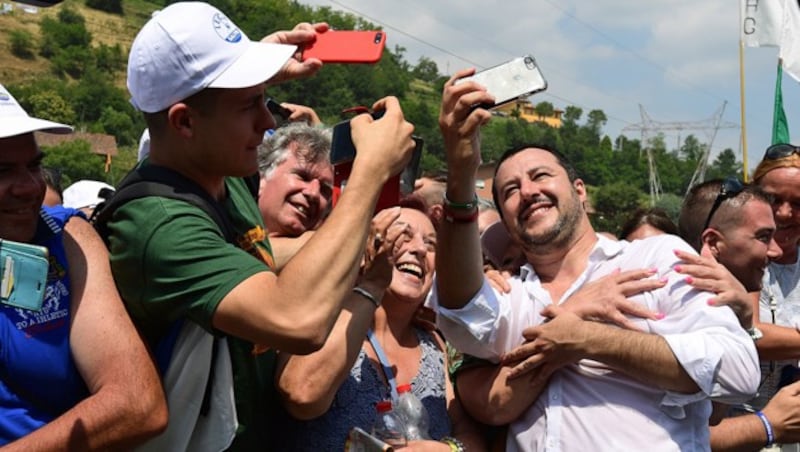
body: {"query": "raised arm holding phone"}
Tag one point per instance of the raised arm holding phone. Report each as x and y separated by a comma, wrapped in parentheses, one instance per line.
(635, 373)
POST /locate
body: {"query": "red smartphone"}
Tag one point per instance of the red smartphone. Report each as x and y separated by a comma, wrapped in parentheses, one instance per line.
(390, 194)
(397, 186)
(347, 46)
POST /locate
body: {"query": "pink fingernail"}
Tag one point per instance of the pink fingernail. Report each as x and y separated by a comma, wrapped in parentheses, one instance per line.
(660, 315)
(677, 268)
(689, 280)
(710, 302)
(664, 279)
(653, 270)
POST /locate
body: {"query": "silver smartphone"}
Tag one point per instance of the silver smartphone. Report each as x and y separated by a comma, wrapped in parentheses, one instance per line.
(509, 81)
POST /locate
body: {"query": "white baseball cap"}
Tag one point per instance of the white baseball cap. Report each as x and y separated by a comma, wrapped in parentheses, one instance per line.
(190, 46)
(85, 193)
(15, 121)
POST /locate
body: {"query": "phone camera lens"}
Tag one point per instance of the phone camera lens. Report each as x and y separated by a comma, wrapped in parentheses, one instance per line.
(529, 62)
(378, 37)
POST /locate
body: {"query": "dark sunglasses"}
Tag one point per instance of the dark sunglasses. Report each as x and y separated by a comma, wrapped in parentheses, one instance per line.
(779, 151)
(730, 188)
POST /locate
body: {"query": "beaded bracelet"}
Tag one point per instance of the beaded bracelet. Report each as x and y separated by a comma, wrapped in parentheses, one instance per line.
(767, 427)
(364, 293)
(454, 443)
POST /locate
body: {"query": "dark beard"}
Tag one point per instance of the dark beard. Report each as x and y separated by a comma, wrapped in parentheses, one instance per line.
(560, 234)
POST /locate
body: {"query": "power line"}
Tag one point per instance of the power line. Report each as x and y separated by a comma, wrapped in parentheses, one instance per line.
(477, 65)
(631, 51)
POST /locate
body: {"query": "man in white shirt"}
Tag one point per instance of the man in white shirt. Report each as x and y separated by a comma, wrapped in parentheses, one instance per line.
(577, 382)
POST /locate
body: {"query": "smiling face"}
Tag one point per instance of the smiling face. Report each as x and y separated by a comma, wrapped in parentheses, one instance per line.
(413, 256)
(746, 248)
(22, 187)
(540, 206)
(296, 196)
(784, 185)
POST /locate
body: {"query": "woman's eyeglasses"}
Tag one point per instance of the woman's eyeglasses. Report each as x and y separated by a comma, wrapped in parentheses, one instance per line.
(730, 188)
(779, 151)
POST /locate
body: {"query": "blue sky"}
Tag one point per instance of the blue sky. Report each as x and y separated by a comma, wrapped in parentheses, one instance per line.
(679, 59)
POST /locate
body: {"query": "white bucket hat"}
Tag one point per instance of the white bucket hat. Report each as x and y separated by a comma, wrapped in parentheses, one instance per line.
(15, 121)
(190, 46)
(85, 193)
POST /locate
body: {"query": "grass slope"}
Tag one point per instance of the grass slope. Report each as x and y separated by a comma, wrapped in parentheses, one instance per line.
(105, 28)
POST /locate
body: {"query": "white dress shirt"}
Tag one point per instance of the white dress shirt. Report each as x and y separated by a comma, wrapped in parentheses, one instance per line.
(588, 404)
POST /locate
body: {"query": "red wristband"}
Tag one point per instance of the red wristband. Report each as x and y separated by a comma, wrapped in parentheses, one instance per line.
(459, 216)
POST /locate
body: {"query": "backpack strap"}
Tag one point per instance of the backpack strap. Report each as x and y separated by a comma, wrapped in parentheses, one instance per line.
(153, 180)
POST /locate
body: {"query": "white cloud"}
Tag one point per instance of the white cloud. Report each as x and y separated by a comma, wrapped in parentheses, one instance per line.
(678, 58)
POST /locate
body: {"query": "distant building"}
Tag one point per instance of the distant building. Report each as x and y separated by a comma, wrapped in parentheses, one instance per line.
(99, 143)
(527, 112)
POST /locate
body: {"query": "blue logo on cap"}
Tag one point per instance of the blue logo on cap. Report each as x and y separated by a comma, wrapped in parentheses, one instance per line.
(225, 28)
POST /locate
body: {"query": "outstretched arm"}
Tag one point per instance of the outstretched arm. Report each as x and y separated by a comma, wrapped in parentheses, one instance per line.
(459, 273)
(295, 310)
(127, 404)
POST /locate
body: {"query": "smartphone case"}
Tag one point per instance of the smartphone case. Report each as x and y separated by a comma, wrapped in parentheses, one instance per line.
(347, 46)
(24, 274)
(343, 152)
(517, 78)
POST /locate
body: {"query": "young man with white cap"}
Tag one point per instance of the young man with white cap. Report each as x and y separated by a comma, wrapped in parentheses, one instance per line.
(200, 83)
(74, 373)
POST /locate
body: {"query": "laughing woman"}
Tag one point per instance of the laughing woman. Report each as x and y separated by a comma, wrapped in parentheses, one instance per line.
(329, 392)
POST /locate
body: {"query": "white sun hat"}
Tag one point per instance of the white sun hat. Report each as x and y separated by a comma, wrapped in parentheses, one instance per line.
(86, 193)
(15, 121)
(190, 46)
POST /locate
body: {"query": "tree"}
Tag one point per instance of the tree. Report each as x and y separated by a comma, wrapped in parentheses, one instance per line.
(75, 161)
(426, 70)
(21, 44)
(595, 121)
(725, 165)
(50, 105)
(544, 109)
(613, 203)
(109, 6)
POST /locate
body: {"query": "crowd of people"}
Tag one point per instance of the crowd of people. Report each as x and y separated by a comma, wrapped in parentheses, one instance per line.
(255, 305)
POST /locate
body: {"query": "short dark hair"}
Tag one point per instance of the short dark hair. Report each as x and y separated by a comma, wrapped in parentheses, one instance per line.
(655, 217)
(52, 177)
(698, 203)
(203, 101)
(561, 158)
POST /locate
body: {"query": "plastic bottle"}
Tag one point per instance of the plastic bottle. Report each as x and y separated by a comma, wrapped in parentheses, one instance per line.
(389, 426)
(413, 413)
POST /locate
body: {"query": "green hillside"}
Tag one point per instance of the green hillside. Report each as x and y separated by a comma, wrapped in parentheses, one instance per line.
(67, 63)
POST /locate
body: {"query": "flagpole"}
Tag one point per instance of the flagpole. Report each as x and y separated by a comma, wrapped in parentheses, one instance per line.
(742, 109)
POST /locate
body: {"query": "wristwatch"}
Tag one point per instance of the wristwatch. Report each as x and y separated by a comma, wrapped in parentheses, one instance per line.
(755, 333)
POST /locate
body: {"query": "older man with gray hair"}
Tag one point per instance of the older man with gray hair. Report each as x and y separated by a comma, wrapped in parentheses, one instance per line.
(296, 183)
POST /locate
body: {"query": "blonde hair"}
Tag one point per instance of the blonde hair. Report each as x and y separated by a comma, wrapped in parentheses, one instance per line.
(765, 166)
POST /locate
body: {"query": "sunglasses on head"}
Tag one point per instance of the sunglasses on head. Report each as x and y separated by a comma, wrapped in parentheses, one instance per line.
(730, 188)
(779, 151)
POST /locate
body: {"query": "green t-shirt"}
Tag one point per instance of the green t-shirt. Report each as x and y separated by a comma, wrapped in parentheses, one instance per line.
(170, 262)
